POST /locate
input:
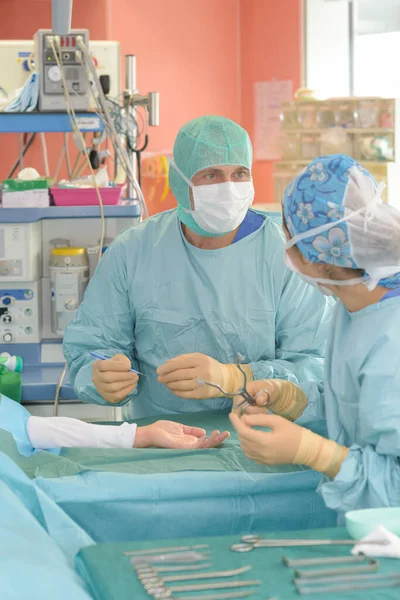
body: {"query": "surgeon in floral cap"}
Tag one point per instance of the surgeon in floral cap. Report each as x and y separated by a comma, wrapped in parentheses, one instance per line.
(344, 240)
(315, 198)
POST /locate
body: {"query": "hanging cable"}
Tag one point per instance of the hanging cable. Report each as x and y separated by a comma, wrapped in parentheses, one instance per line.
(75, 127)
(138, 152)
(102, 102)
(67, 159)
(45, 155)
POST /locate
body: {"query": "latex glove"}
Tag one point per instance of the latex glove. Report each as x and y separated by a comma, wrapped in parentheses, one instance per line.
(283, 398)
(287, 443)
(113, 379)
(167, 434)
(180, 374)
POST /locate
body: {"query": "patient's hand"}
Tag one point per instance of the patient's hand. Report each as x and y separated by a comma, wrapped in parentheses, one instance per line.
(167, 434)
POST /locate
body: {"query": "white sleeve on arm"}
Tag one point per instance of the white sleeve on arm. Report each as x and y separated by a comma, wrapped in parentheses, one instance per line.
(63, 432)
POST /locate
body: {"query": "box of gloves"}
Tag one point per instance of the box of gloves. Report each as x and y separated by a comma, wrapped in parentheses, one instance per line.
(17, 193)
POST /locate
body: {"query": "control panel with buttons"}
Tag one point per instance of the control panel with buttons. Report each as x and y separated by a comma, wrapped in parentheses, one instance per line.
(19, 313)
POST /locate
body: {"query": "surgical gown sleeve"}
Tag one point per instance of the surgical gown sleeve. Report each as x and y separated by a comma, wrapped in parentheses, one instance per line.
(104, 324)
(302, 323)
(370, 475)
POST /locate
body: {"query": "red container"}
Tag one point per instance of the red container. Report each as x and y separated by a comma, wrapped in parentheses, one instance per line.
(85, 196)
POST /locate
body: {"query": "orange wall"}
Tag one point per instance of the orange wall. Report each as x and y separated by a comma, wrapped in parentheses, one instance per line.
(271, 40)
(203, 56)
(188, 51)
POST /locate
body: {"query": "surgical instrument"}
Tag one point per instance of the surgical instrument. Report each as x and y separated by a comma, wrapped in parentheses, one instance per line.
(328, 560)
(223, 596)
(340, 578)
(242, 547)
(256, 539)
(146, 579)
(248, 399)
(183, 557)
(251, 542)
(348, 587)
(172, 549)
(100, 357)
(372, 567)
(197, 587)
(147, 568)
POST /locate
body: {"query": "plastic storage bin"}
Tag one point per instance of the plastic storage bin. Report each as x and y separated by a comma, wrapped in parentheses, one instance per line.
(345, 112)
(290, 146)
(336, 141)
(309, 146)
(85, 196)
(386, 115)
(307, 115)
(370, 147)
(289, 116)
(368, 113)
(325, 115)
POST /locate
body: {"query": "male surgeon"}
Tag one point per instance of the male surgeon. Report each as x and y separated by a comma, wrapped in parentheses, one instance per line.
(181, 295)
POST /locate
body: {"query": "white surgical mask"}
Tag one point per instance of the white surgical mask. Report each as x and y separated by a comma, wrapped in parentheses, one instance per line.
(220, 207)
(310, 280)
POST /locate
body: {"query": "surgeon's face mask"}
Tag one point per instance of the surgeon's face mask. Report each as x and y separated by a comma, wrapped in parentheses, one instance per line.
(310, 280)
(221, 207)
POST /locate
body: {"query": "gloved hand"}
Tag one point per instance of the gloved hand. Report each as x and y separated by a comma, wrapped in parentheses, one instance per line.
(167, 434)
(113, 379)
(283, 398)
(180, 374)
(287, 443)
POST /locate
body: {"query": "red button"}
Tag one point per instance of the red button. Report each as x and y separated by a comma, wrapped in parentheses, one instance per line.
(67, 42)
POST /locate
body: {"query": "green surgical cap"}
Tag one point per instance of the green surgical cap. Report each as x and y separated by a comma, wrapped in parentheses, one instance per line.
(206, 142)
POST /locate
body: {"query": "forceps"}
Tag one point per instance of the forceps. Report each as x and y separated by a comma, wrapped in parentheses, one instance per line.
(252, 542)
(248, 399)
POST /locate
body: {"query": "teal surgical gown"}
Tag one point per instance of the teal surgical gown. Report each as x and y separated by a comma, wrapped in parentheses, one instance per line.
(154, 296)
(361, 402)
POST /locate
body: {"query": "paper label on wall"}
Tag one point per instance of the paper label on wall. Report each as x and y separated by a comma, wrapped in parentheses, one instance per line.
(268, 99)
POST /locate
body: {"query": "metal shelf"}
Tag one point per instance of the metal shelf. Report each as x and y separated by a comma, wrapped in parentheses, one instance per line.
(30, 215)
(50, 122)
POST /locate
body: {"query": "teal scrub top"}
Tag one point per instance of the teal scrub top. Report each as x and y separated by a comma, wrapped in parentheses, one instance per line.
(361, 404)
(154, 296)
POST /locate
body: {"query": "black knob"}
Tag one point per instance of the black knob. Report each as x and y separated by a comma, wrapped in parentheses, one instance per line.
(94, 159)
(105, 84)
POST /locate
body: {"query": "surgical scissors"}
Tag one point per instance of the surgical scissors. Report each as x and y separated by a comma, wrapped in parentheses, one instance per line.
(248, 399)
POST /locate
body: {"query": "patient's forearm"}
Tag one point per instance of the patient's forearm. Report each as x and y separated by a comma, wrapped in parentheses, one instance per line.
(63, 432)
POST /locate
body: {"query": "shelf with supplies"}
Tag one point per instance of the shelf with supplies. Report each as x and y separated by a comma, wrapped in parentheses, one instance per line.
(302, 163)
(31, 215)
(365, 128)
(349, 130)
(48, 122)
